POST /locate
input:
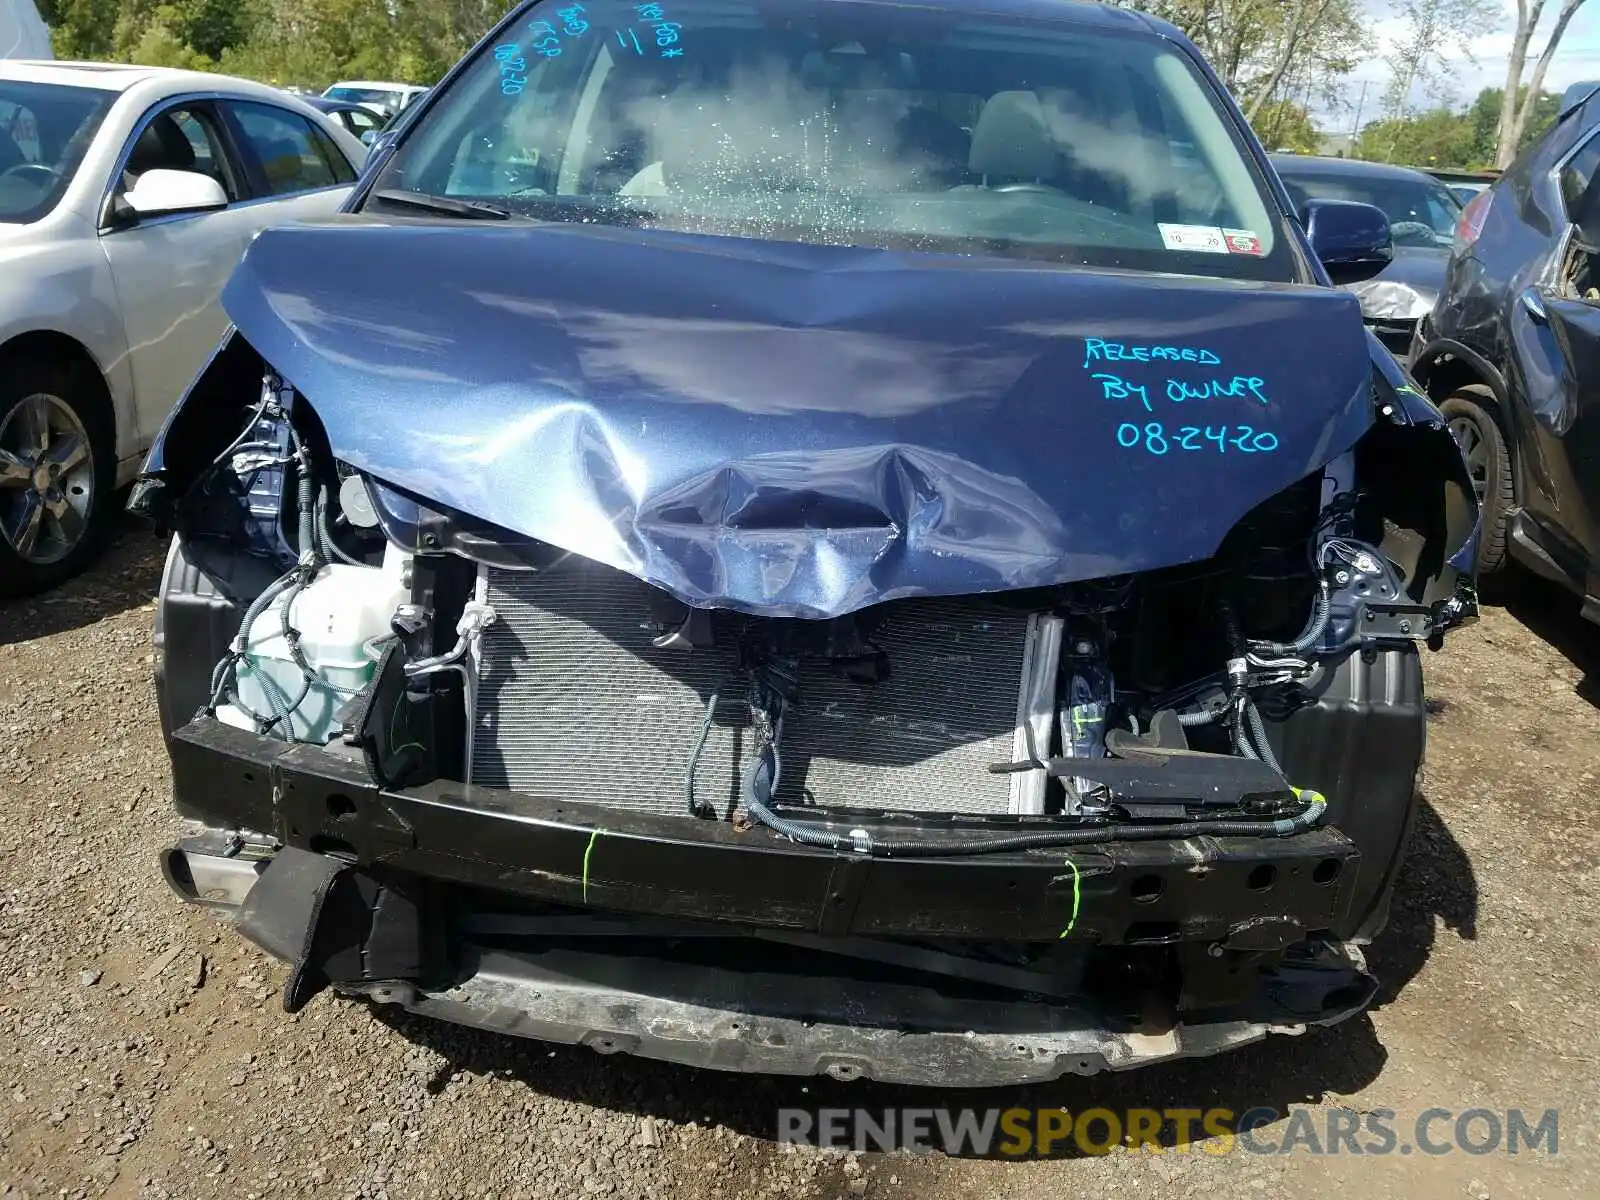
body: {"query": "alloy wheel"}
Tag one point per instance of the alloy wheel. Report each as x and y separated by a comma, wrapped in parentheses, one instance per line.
(46, 479)
(1477, 452)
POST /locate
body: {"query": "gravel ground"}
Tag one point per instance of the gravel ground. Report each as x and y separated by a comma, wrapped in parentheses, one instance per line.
(145, 1054)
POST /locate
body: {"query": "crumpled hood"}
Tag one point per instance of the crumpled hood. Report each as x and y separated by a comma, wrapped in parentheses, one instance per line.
(801, 430)
(1407, 288)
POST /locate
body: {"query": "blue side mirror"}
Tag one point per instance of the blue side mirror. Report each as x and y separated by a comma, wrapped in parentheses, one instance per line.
(1351, 240)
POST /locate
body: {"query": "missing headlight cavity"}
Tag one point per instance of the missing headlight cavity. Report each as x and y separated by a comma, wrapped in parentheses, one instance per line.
(267, 552)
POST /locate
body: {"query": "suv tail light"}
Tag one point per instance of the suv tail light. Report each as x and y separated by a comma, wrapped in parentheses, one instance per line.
(1470, 224)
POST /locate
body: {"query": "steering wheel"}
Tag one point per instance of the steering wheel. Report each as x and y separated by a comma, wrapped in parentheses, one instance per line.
(1414, 233)
(49, 172)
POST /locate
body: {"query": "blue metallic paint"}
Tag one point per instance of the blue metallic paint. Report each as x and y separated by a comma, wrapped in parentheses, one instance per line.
(789, 429)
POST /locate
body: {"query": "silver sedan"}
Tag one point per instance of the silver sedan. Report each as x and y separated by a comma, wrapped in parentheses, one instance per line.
(127, 195)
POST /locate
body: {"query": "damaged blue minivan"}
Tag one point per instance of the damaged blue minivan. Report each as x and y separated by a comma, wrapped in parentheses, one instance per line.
(812, 536)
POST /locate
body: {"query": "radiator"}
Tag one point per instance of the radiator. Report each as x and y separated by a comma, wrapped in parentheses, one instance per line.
(574, 701)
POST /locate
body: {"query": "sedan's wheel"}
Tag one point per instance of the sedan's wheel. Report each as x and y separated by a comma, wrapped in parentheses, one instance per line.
(55, 476)
(1470, 416)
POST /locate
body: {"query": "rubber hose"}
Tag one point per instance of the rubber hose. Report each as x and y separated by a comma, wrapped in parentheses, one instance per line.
(1241, 743)
(1321, 613)
(291, 635)
(280, 715)
(258, 606)
(306, 495)
(1316, 809)
(756, 788)
(330, 548)
(689, 802)
(1230, 627)
(1258, 730)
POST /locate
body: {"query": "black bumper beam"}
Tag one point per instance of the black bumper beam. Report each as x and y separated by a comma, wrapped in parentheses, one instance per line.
(1239, 893)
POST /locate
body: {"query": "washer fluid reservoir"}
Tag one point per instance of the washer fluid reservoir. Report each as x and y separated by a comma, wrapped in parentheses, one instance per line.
(339, 616)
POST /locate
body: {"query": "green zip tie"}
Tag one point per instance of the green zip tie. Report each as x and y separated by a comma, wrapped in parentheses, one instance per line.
(588, 850)
(1076, 896)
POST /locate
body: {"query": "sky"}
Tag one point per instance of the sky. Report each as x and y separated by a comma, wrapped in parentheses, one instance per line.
(1577, 58)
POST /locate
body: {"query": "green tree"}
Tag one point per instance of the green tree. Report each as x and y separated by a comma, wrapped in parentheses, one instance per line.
(430, 35)
(161, 44)
(1484, 114)
(1284, 125)
(1435, 38)
(213, 26)
(281, 41)
(81, 28)
(1435, 139)
(313, 42)
(1443, 137)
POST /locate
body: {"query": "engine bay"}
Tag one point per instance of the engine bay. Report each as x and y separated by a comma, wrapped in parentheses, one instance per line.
(367, 622)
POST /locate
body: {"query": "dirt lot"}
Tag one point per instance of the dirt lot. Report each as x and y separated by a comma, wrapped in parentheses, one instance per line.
(143, 1052)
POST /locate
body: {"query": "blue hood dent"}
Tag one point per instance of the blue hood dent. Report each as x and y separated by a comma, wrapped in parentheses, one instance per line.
(799, 430)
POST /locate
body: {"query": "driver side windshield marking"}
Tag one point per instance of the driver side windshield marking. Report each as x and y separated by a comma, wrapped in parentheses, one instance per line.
(573, 23)
(666, 30)
(546, 43)
(513, 69)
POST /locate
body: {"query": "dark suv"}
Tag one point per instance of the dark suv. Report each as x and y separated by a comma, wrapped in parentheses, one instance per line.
(1511, 353)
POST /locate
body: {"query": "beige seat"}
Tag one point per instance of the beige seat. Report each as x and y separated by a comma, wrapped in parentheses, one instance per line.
(1011, 143)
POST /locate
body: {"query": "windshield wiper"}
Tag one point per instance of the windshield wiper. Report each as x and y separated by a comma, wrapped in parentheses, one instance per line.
(470, 210)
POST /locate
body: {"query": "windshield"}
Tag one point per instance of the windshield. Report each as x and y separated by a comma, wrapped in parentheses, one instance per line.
(44, 131)
(859, 124)
(1421, 212)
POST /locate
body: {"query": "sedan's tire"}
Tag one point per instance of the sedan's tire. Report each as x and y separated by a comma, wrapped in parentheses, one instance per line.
(1472, 416)
(57, 474)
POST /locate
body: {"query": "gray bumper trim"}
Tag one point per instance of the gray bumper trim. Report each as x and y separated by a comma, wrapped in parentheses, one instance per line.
(958, 1043)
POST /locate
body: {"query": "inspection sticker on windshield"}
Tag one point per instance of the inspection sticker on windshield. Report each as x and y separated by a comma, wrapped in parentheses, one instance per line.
(1206, 239)
(1242, 241)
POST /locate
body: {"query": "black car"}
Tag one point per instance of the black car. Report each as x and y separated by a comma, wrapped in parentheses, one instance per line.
(812, 536)
(359, 119)
(1422, 214)
(1511, 353)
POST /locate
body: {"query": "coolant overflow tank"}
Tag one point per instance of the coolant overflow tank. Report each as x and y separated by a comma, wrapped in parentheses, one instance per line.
(338, 616)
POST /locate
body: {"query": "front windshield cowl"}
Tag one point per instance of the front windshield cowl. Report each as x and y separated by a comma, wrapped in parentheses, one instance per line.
(1058, 140)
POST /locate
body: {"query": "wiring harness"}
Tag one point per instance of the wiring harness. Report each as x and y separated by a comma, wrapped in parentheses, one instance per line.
(760, 783)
